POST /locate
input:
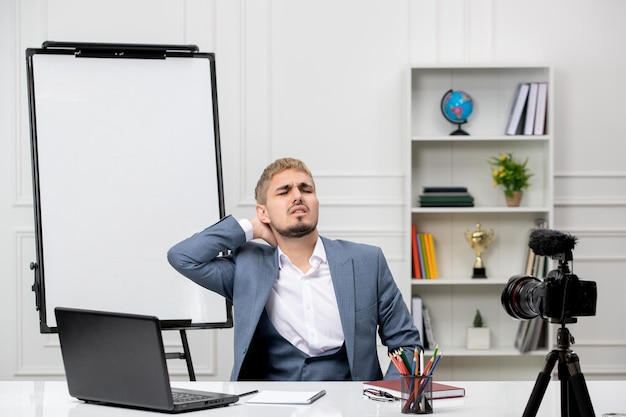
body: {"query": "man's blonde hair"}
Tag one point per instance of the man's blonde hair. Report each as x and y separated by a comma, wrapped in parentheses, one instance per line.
(279, 165)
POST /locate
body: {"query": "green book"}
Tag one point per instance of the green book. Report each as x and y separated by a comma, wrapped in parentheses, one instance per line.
(441, 199)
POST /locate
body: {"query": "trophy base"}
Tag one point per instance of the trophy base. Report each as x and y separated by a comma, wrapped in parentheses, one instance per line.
(479, 273)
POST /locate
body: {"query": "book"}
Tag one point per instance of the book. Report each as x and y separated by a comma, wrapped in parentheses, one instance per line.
(420, 255)
(446, 194)
(522, 330)
(432, 258)
(531, 107)
(529, 335)
(542, 106)
(392, 387)
(517, 109)
(438, 189)
(423, 256)
(454, 197)
(446, 199)
(429, 337)
(417, 272)
(540, 262)
(417, 310)
(447, 204)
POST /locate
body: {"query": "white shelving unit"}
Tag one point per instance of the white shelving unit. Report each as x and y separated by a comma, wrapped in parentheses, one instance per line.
(436, 158)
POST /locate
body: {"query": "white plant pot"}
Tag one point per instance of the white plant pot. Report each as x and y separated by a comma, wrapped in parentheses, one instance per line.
(478, 338)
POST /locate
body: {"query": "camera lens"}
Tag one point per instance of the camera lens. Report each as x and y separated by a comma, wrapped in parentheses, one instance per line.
(519, 297)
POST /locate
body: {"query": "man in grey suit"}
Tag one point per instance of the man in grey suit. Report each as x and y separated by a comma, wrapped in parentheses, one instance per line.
(305, 307)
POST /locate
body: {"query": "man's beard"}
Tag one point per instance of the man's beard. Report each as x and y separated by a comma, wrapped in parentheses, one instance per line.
(297, 231)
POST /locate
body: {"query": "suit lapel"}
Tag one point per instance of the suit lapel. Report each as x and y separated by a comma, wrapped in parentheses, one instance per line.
(342, 274)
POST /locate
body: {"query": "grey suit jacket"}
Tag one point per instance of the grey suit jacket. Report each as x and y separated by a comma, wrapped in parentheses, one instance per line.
(368, 297)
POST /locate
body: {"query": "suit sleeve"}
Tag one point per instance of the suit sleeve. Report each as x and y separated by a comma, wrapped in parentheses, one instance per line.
(199, 256)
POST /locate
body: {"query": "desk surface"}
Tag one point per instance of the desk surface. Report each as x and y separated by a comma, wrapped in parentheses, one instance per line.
(343, 399)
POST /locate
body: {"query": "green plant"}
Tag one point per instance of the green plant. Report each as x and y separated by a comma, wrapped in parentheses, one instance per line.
(509, 173)
(478, 319)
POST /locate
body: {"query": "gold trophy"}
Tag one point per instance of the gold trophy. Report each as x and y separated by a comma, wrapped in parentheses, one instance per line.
(479, 240)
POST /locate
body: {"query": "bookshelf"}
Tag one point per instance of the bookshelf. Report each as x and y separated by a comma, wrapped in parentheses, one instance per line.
(436, 158)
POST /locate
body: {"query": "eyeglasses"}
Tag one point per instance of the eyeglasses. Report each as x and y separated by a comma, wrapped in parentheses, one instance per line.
(377, 395)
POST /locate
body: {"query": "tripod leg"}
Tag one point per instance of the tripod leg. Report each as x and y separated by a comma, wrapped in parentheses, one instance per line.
(579, 387)
(541, 384)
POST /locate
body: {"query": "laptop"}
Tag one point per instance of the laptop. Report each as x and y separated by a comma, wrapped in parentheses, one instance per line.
(118, 359)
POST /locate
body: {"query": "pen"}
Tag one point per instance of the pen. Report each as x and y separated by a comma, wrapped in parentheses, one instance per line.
(249, 393)
(316, 396)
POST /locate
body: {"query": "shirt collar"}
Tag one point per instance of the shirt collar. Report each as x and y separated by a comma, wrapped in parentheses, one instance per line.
(318, 257)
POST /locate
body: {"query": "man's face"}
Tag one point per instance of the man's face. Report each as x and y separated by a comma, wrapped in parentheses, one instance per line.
(292, 206)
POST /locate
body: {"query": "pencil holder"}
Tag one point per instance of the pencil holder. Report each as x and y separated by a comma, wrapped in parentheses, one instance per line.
(416, 394)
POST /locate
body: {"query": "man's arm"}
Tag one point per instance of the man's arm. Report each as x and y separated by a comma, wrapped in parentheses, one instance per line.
(200, 259)
(396, 327)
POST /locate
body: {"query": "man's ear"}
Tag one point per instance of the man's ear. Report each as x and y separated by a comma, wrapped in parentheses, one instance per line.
(261, 213)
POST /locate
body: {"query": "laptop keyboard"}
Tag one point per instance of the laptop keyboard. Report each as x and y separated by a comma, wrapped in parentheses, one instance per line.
(185, 397)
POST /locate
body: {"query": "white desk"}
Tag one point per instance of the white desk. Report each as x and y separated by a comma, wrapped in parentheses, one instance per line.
(498, 399)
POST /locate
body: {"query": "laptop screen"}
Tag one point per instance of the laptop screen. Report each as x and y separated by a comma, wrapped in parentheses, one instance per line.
(114, 358)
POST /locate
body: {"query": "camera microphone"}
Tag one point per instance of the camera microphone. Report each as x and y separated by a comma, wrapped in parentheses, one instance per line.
(546, 242)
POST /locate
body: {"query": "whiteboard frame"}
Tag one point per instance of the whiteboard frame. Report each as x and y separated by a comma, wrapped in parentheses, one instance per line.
(139, 55)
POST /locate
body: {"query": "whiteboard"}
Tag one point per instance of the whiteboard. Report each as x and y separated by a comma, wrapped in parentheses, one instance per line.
(126, 163)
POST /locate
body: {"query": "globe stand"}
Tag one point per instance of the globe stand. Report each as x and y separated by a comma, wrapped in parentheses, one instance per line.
(459, 131)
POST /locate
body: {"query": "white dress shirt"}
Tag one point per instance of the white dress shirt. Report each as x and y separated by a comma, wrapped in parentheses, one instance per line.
(302, 306)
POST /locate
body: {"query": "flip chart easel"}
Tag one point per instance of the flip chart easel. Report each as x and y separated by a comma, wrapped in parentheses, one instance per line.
(126, 162)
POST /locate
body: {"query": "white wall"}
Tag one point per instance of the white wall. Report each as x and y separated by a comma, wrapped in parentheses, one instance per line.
(326, 81)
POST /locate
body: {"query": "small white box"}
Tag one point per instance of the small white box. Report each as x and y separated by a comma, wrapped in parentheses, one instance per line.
(478, 338)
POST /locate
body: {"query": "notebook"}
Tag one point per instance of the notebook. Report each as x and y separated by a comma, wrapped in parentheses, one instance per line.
(118, 359)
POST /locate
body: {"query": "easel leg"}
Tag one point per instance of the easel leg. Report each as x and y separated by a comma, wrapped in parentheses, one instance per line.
(187, 353)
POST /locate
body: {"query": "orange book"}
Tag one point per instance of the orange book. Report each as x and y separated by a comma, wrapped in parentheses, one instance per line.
(432, 259)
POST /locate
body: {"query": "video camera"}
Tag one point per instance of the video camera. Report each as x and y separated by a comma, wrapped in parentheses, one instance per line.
(561, 296)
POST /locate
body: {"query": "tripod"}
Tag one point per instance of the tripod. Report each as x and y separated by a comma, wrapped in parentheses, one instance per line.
(575, 400)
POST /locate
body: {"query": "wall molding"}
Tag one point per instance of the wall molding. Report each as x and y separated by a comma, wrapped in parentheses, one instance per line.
(590, 202)
(590, 174)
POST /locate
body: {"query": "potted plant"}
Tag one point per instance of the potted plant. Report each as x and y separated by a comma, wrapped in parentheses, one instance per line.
(512, 175)
(478, 334)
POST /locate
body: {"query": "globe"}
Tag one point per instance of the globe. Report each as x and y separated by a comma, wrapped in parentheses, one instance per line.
(456, 107)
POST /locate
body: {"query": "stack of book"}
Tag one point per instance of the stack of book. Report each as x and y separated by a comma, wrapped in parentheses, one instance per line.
(446, 197)
(424, 258)
(528, 112)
